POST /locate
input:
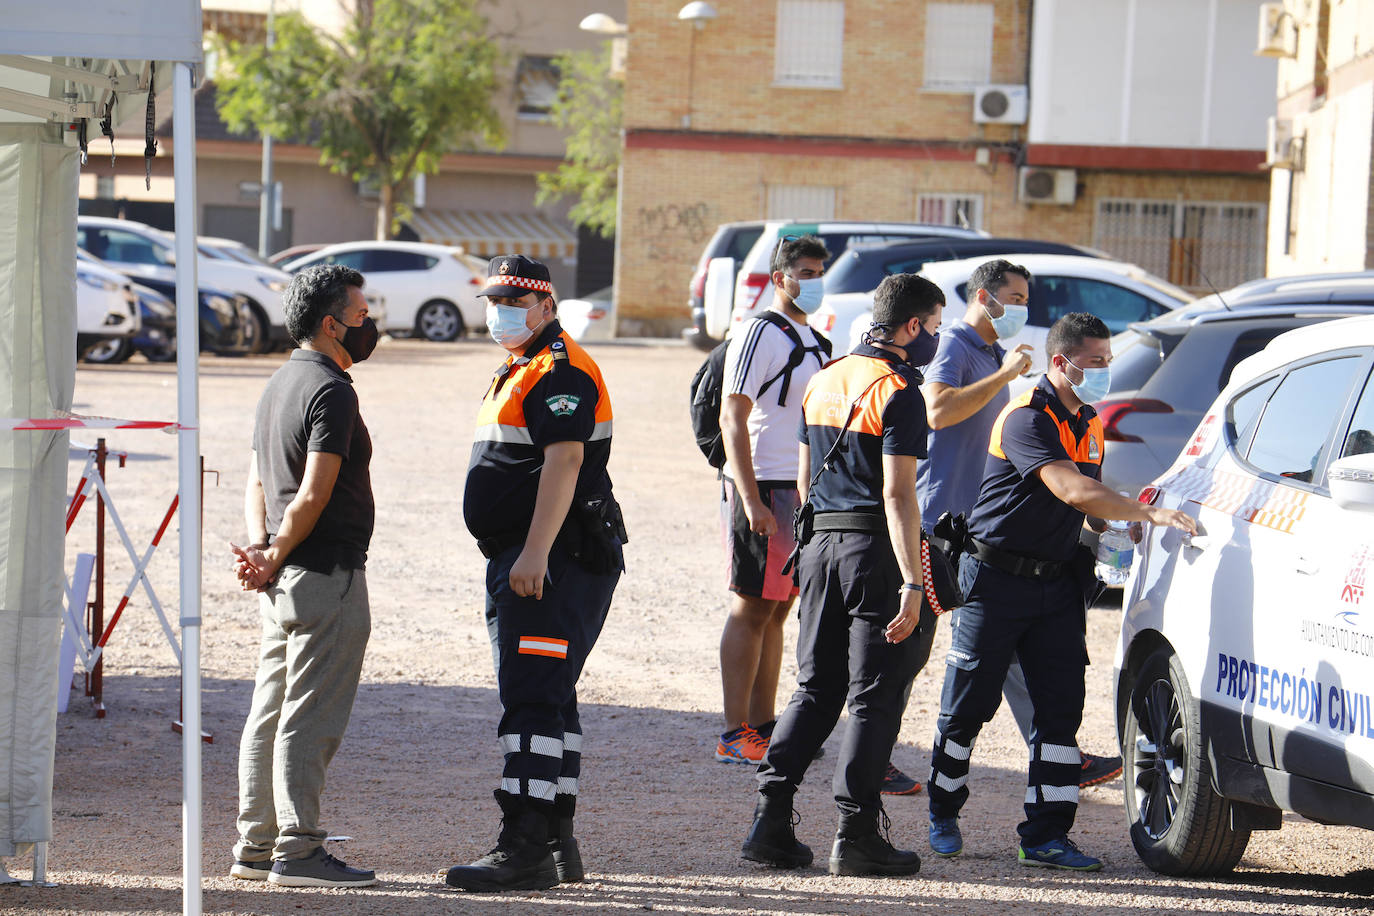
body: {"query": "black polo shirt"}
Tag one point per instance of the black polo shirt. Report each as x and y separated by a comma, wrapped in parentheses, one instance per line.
(889, 418)
(553, 392)
(1015, 511)
(309, 405)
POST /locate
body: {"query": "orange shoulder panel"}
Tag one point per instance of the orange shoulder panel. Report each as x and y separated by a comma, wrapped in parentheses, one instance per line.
(832, 391)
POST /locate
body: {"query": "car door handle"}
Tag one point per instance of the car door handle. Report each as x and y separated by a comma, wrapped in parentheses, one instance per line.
(1197, 541)
(1306, 565)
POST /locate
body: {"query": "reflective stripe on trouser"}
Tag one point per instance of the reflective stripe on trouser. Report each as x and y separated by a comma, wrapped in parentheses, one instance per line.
(314, 634)
(538, 649)
(1008, 616)
(849, 583)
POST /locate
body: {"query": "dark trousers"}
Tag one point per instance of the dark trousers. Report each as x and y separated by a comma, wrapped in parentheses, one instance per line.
(1041, 622)
(539, 648)
(849, 585)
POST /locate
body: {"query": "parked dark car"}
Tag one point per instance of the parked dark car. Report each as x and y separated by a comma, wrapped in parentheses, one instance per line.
(221, 317)
(1167, 371)
(862, 267)
(730, 240)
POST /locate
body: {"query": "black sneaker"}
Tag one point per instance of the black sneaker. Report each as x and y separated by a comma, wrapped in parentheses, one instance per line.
(251, 871)
(319, 869)
(1097, 769)
(895, 782)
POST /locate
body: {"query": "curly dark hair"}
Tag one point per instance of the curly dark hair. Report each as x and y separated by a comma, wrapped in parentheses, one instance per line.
(1068, 333)
(902, 297)
(316, 292)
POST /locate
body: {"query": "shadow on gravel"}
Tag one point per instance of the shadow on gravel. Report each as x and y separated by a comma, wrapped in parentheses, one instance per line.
(659, 821)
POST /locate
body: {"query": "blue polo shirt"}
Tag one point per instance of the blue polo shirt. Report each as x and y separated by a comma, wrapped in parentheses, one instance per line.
(948, 480)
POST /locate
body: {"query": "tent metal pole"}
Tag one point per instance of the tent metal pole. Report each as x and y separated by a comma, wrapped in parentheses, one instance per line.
(188, 477)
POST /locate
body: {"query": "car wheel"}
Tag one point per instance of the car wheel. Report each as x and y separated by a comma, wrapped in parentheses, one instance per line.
(109, 350)
(439, 320)
(256, 336)
(1178, 823)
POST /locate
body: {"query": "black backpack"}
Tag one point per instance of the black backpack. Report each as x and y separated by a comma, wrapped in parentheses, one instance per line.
(709, 382)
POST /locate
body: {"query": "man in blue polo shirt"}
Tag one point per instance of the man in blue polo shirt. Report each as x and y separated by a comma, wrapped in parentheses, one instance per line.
(966, 388)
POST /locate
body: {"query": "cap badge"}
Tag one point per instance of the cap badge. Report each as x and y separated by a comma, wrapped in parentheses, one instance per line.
(504, 267)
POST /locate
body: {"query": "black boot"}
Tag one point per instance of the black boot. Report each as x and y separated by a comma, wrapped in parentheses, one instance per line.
(566, 856)
(521, 860)
(771, 840)
(861, 850)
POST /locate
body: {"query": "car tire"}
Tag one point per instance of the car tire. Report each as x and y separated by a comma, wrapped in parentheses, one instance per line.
(108, 351)
(439, 321)
(257, 336)
(1178, 823)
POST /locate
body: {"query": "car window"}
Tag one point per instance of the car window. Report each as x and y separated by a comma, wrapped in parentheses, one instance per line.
(740, 242)
(122, 246)
(1052, 298)
(1132, 365)
(353, 259)
(1297, 420)
(1244, 410)
(1359, 439)
(380, 260)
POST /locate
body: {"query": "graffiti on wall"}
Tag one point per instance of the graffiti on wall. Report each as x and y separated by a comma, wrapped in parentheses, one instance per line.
(666, 227)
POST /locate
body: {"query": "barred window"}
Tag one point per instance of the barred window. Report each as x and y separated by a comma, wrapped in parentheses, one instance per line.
(1194, 245)
(800, 201)
(810, 44)
(953, 209)
(958, 51)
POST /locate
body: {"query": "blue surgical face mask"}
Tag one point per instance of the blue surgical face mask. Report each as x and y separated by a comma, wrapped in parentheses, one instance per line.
(1011, 321)
(1095, 385)
(809, 298)
(507, 324)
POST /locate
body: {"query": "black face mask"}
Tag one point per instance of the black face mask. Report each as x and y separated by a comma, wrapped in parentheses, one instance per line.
(921, 351)
(360, 341)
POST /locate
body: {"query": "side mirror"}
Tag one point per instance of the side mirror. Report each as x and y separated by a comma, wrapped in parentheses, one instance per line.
(718, 297)
(1352, 482)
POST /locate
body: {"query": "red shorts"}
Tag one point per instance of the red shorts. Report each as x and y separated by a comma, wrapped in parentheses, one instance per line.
(755, 562)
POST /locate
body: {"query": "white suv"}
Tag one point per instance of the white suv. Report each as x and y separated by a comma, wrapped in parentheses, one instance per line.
(143, 251)
(1244, 683)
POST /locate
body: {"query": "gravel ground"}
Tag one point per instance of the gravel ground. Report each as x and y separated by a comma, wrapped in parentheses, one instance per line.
(660, 822)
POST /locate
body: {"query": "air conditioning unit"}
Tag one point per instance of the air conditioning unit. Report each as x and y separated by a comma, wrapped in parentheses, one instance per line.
(1278, 35)
(1047, 186)
(1283, 151)
(999, 105)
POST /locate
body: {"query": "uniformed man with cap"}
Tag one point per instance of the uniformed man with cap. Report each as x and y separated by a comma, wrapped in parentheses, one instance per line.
(538, 500)
(1024, 596)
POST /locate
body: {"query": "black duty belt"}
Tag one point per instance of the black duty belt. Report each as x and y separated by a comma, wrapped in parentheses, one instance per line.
(1015, 564)
(493, 545)
(850, 521)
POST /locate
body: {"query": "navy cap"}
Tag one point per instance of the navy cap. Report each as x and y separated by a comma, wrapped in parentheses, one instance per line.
(515, 275)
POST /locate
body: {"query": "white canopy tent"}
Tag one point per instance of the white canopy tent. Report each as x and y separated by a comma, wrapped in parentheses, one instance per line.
(62, 62)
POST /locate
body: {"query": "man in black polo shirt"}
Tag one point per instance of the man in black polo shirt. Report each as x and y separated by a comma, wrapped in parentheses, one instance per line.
(309, 512)
(1043, 470)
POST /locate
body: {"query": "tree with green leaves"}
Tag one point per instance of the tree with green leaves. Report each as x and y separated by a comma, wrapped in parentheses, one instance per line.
(403, 83)
(588, 106)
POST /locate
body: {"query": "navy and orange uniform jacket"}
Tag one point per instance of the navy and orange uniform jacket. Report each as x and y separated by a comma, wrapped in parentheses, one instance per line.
(1015, 511)
(889, 419)
(534, 401)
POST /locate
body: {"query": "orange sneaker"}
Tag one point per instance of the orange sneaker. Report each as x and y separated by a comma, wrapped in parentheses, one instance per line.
(742, 745)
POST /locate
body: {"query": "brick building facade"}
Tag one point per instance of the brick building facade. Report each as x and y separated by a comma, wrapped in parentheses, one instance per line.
(865, 110)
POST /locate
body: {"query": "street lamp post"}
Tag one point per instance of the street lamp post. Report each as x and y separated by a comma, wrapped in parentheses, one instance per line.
(698, 13)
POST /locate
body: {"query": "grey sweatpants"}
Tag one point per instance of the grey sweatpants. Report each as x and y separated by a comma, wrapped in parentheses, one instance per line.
(314, 634)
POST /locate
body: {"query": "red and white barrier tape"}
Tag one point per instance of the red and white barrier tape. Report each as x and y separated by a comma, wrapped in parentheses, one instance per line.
(76, 421)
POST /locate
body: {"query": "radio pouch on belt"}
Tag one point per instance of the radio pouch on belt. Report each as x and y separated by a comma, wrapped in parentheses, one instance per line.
(590, 532)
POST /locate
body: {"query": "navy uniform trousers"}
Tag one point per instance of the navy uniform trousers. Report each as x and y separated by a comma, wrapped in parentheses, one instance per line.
(539, 648)
(1041, 622)
(849, 585)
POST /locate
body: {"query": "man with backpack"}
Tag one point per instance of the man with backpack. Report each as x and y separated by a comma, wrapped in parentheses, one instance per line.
(766, 366)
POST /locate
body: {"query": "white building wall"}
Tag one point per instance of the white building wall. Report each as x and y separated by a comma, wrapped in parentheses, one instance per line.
(1168, 73)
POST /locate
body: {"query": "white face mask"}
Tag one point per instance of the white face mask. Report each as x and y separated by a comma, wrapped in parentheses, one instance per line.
(808, 299)
(507, 324)
(1011, 321)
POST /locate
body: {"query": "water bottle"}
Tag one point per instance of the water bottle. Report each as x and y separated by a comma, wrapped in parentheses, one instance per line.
(1115, 552)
